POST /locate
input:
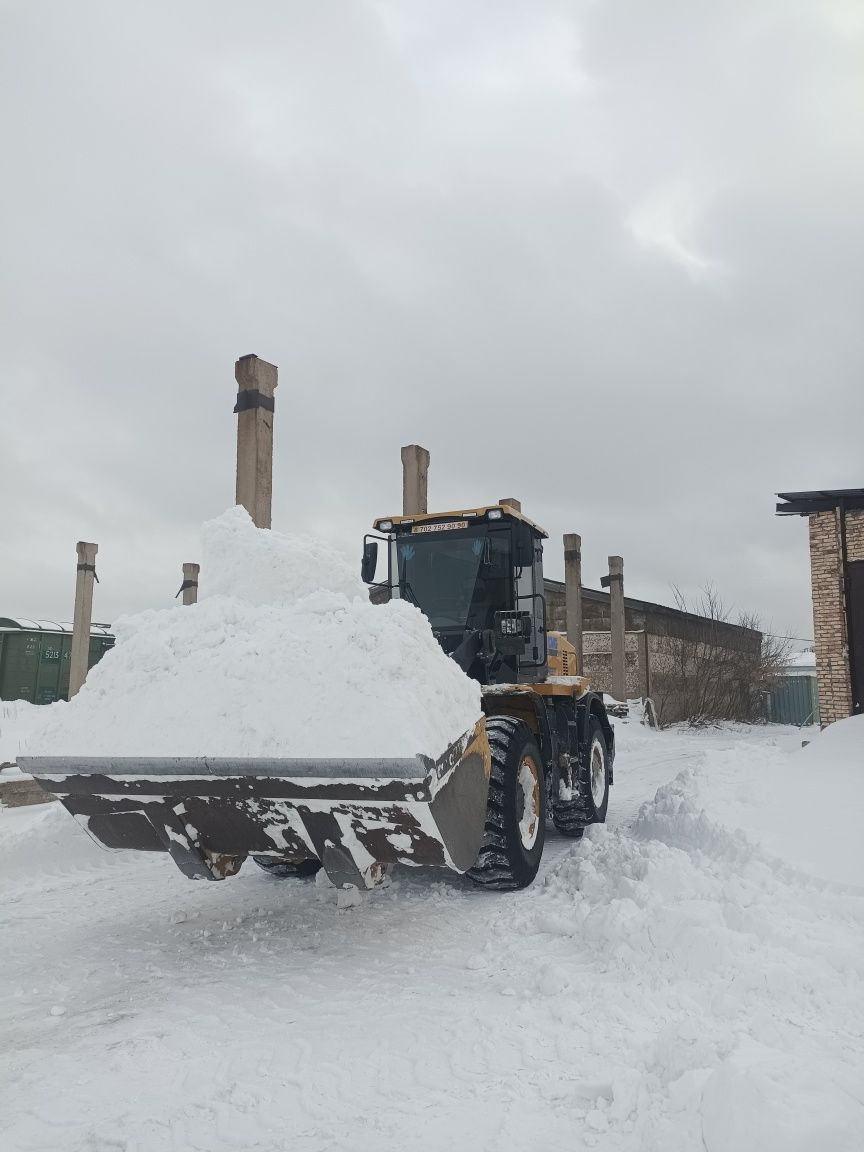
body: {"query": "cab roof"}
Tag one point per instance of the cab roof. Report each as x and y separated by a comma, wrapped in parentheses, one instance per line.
(507, 512)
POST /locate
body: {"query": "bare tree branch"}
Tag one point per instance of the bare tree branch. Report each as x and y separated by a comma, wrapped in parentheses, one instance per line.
(713, 672)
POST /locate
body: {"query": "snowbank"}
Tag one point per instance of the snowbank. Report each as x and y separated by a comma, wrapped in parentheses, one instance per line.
(762, 1100)
(283, 656)
(840, 744)
(807, 808)
(727, 986)
(41, 840)
(18, 718)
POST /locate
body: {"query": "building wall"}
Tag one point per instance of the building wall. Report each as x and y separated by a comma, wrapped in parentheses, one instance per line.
(829, 614)
(643, 616)
(658, 638)
(597, 650)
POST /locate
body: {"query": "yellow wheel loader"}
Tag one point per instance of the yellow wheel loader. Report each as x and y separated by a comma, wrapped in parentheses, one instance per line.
(543, 748)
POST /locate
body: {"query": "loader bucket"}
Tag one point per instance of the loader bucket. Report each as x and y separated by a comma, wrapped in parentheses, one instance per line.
(355, 816)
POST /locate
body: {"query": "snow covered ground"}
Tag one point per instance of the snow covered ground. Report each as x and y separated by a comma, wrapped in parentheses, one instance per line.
(672, 982)
(18, 718)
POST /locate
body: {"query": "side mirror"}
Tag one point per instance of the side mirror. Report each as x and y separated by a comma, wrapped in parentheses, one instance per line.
(523, 552)
(369, 564)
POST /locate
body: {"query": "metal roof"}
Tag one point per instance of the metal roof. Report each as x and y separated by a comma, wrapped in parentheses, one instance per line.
(820, 500)
(21, 623)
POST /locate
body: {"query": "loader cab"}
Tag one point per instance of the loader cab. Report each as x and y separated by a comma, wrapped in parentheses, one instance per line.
(478, 578)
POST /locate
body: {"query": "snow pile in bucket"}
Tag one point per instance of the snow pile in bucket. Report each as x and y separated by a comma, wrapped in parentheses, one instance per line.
(283, 656)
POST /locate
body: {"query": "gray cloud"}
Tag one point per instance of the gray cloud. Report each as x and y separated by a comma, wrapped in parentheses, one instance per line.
(607, 258)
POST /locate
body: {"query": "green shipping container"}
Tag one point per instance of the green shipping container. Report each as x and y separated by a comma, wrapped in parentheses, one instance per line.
(34, 658)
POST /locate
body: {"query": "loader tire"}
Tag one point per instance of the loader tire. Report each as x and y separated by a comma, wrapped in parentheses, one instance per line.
(286, 869)
(515, 809)
(590, 789)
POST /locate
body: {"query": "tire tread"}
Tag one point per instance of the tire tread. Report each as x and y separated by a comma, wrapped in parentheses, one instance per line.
(571, 817)
(493, 867)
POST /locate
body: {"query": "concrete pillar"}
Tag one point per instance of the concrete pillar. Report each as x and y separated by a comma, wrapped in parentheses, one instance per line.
(79, 658)
(256, 381)
(615, 582)
(415, 480)
(573, 592)
(646, 666)
(189, 587)
(512, 502)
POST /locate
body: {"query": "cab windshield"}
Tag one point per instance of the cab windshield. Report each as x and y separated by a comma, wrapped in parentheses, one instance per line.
(458, 579)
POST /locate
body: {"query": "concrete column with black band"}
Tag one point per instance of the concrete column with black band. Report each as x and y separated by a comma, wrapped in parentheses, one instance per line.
(189, 588)
(615, 583)
(79, 659)
(256, 381)
(573, 592)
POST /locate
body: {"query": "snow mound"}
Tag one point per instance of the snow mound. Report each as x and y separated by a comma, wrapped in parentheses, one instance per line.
(759, 1100)
(40, 841)
(737, 979)
(842, 743)
(17, 719)
(283, 656)
(807, 808)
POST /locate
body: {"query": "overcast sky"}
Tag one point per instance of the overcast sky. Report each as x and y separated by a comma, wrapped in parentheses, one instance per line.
(607, 257)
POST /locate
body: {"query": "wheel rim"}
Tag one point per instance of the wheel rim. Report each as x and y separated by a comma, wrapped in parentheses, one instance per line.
(598, 774)
(529, 786)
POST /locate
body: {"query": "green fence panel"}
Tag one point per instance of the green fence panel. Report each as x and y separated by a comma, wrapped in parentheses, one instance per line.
(794, 700)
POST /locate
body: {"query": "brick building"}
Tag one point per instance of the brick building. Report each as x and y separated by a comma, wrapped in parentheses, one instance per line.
(836, 519)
